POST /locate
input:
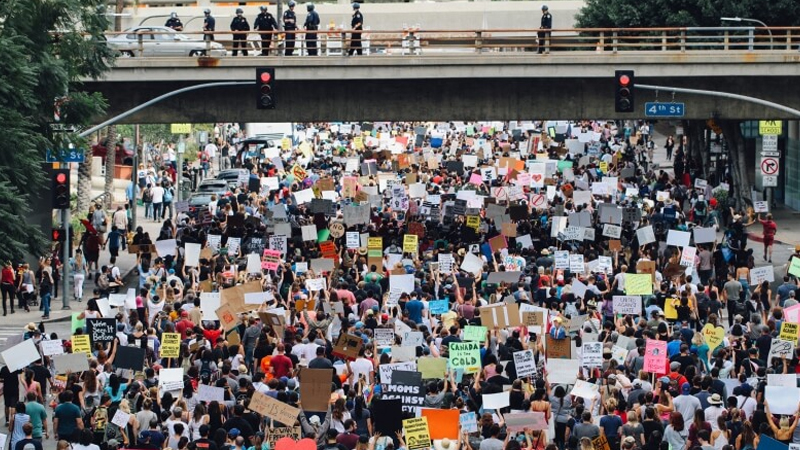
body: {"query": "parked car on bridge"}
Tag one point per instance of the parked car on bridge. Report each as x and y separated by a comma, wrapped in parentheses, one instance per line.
(162, 41)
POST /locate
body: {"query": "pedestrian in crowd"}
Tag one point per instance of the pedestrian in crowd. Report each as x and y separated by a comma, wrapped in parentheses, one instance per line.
(544, 34)
(174, 22)
(209, 25)
(264, 22)
(356, 23)
(289, 27)
(78, 267)
(311, 24)
(239, 27)
(7, 285)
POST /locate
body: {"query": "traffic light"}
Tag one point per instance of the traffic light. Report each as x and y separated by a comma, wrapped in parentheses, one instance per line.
(265, 80)
(623, 101)
(59, 186)
(59, 235)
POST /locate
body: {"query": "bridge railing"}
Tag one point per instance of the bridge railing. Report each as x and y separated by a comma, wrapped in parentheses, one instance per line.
(418, 41)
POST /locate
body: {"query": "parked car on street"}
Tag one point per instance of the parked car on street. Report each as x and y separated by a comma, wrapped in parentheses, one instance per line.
(162, 41)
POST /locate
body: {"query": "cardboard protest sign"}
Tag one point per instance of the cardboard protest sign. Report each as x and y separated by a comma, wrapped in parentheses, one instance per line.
(600, 443)
(500, 315)
(558, 348)
(348, 346)
(273, 409)
(533, 318)
(315, 389)
(227, 317)
(277, 433)
(432, 368)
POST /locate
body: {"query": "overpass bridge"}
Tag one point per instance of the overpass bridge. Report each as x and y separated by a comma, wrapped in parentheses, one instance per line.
(476, 75)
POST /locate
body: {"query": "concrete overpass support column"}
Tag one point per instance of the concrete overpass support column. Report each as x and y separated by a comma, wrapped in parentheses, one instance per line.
(791, 170)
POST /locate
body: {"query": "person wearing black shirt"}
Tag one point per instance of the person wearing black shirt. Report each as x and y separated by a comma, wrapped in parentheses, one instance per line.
(546, 24)
(204, 443)
(239, 423)
(311, 24)
(239, 26)
(174, 22)
(683, 358)
(209, 24)
(265, 22)
(290, 26)
(356, 23)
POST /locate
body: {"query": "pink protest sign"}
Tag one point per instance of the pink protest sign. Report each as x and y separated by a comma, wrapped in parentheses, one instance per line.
(271, 259)
(792, 313)
(655, 356)
(530, 420)
(476, 179)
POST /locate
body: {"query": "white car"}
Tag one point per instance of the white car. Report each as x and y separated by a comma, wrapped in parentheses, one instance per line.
(162, 41)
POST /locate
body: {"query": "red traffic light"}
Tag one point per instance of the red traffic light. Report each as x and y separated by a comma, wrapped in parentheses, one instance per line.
(624, 80)
(265, 77)
(61, 178)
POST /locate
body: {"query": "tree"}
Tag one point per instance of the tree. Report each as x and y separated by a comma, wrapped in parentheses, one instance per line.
(111, 159)
(46, 48)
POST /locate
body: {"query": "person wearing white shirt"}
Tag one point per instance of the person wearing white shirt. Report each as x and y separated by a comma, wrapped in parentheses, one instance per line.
(211, 150)
(362, 367)
(212, 205)
(158, 201)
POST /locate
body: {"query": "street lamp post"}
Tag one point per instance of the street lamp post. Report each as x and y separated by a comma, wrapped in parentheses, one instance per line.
(743, 19)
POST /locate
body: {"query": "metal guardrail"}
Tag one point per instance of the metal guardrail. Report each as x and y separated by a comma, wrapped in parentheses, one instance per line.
(416, 41)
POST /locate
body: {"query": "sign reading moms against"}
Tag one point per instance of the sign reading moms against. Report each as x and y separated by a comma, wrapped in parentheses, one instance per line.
(407, 387)
(170, 345)
(465, 354)
(417, 434)
(101, 330)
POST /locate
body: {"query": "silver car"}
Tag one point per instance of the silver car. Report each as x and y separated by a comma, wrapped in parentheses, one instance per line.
(162, 41)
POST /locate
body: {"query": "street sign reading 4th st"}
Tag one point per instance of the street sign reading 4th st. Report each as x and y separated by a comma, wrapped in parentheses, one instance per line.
(655, 109)
(65, 155)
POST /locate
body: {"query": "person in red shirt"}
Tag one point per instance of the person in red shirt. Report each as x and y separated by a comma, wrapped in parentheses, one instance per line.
(770, 229)
(7, 286)
(281, 364)
(211, 334)
(184, 325)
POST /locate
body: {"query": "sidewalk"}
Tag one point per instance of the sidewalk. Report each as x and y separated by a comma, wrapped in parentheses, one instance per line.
(126, 263)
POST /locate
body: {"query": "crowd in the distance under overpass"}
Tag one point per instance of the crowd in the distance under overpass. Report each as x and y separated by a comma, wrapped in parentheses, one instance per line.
(455, 285)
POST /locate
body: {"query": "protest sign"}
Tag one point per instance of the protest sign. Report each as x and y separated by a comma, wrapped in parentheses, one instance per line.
(788, 332)
(130, 358)
(627, 304)
(438, 306)
(600, 443)
(445, 422)
(585, 390)
(277, 433)
(516, 422)
(101, 330)
(81, 344)
(533, 318)
(500, 315)
(71, 362)
(432, 368)
(475, 333)
(464, 354)
(209, 394)
(638, 284)
(348, 346)
(121, 419)
(779, 349)
(315, 389)
(759, 275)
(558, 348)
(407, 387)
(496, 401)
(384, 337)
(273, 409)
(385, 371)
(469, 422)
(655, 356)
(52, 347)
(170, 345)
(525, 363)
(592, 354)
(417, 433)
(782, 399)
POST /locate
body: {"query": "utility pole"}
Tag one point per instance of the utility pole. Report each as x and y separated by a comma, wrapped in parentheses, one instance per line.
(135, 175)
(65, 272)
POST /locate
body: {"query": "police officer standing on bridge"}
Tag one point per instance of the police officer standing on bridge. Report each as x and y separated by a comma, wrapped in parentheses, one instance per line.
(174, 22)
(547, 24)
(209, 25)
(356, 23)
(265, 22)
(312, 24)
(289, 26)
(238, 26)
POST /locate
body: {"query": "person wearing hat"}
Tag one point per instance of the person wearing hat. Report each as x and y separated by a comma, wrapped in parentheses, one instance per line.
(356, 23)
(265, 22)
(290, 26)
(174, 22)
(544, 36)
(311, 24)
(209, 25)
(716, 409)
(239, 27)
(685, 403)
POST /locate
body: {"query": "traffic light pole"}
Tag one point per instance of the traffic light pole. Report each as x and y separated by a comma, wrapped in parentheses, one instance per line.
(746, 98)
(65, 266)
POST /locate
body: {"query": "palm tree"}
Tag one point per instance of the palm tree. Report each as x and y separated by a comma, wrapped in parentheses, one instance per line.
(111, 156)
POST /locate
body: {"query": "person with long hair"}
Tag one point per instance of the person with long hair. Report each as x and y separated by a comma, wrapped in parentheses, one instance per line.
(698, 423)
(561, 407)
(785, 427)
(92, 389)
(31, 385)
(215, 416)
(199, 418)
(17, 420)
(634, 429)
(721, 437)
(747, 439)
(676, 433)
(339, 415)
(115, 388)
(540, 404)
(362, 416)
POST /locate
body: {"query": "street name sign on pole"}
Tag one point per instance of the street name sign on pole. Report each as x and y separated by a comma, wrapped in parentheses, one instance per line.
(65, 155)
(655, 109)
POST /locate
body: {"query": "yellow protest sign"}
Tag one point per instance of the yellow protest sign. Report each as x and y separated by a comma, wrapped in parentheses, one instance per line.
(603, 166)
(375, 243)
(81, 344)
(286, 143)
(474, 222)
(170, 345)
(638, 284)
(788, 332)
(770, 127)
(713, 336)
(299, 172)
(417, 433)
(305, 147)
(180, 128)
(410, 243)
(358, 143)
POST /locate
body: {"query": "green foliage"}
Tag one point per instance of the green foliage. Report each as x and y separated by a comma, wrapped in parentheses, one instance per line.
(46, 48)
(684, 13)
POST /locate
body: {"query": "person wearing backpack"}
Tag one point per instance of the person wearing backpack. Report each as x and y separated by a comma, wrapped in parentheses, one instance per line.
(147, 199)
(169, 194)
(100, 420)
